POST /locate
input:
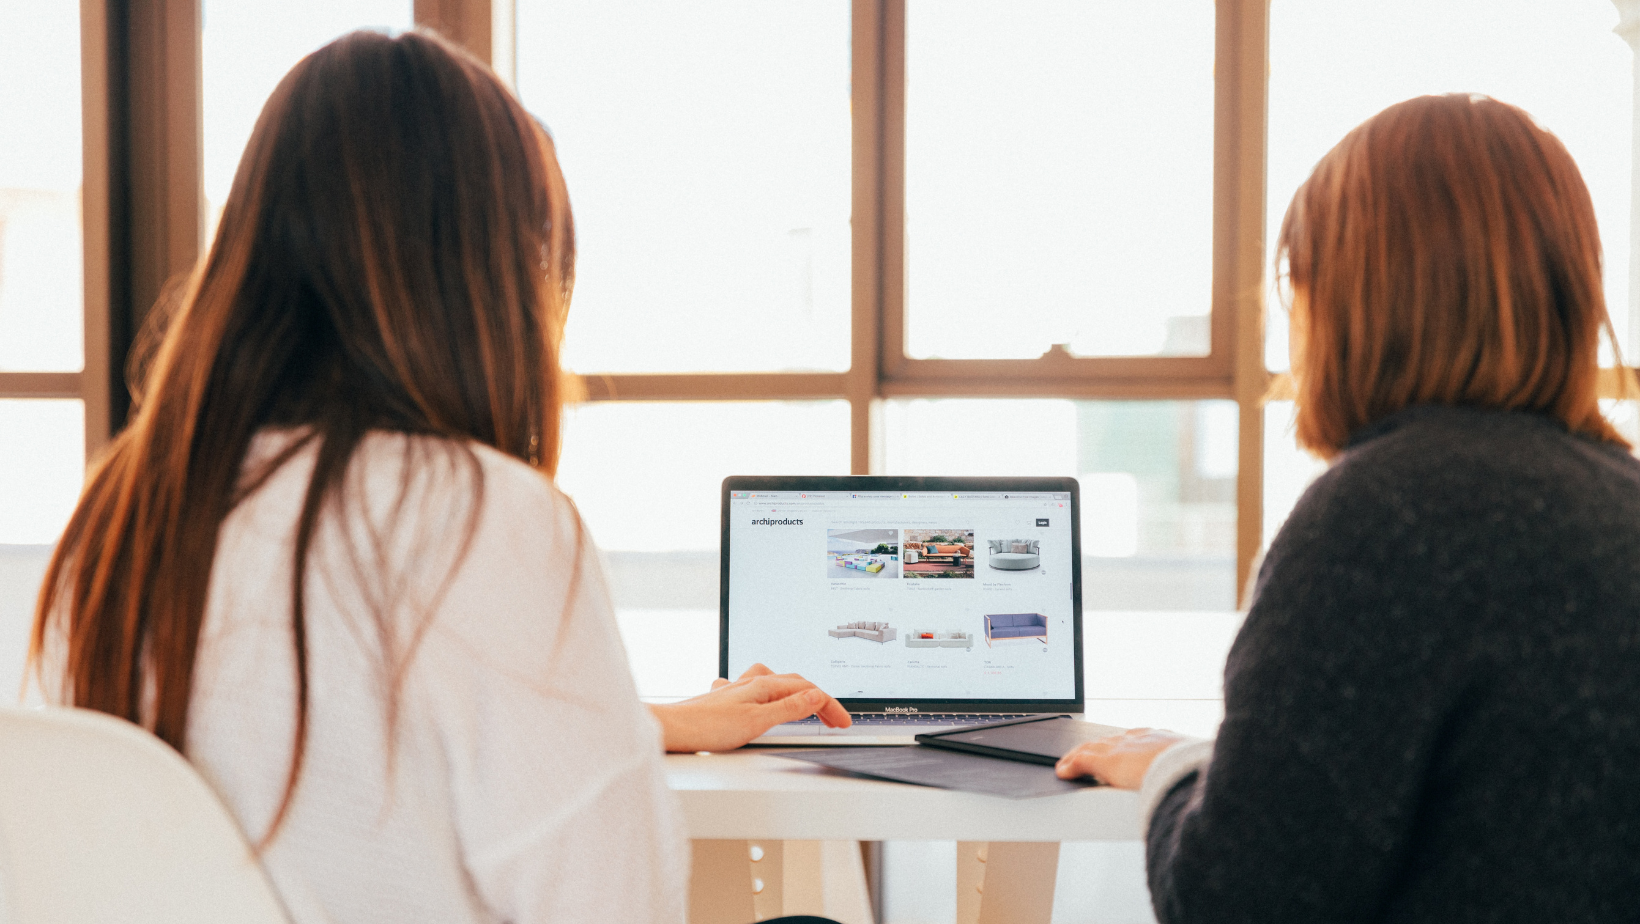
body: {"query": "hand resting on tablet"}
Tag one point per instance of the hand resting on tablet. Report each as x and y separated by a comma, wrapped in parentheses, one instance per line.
(1120, 760)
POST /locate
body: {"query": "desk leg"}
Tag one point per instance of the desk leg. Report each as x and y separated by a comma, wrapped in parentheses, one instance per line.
(738, 882)
(843, 877)
(1005, 882)
(720, 883)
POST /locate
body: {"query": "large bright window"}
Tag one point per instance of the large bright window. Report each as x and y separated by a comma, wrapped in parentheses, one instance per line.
(645, 476)
(41, 457)
(246, 47)
(40, 287)
(1005, 178)
(41, 272)
(1333, 65)
(1059, 178)
(824, 237)
(707, 151)
(890, 215)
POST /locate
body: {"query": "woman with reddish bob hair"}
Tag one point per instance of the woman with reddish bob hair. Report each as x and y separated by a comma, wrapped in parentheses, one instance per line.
(1432, 711)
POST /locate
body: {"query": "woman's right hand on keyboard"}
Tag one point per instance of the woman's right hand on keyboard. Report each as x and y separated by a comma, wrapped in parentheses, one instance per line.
(735, 712)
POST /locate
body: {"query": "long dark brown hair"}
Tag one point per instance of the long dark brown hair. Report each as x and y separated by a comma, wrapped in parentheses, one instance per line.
(396, 255)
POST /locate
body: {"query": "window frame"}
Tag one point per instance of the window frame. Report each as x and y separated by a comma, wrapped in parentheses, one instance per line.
(142, 130)
(141, 155)
(141, 75)
(879, 367)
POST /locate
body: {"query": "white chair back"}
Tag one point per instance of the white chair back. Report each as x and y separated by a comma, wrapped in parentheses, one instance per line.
(101, 822)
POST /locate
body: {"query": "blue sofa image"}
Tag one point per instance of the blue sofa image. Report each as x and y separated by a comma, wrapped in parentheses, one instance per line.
(1016, 625)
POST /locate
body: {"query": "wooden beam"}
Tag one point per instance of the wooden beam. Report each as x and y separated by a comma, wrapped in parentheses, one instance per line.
(464, 22)
(1280, 388)
(1061, 366)
(1079, 388)
(1620, 383)
(1241, 104)
(890, 212)
(788, 386)
(167, 148)
(873, 38)
(746, 386)
(42, 385)
(488, 29)
(150, 157)
(96, 384)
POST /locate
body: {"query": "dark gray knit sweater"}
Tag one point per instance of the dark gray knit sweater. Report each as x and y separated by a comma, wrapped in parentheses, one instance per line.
(1432, 712)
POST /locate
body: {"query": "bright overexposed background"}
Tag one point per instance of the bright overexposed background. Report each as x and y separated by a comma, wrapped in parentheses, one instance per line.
(1059, 190)
(1059, 177)
(1334, 64)
(1058, 172)
(40, 274)
(707, 151)
(246, 46)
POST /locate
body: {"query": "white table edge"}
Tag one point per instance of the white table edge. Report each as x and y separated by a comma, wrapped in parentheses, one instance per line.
(747, 794)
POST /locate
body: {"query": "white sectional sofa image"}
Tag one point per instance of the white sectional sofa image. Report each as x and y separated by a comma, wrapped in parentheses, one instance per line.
(923, 638)
(878, 632)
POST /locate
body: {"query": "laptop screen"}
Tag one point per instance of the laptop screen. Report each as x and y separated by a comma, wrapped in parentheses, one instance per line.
(906, 590)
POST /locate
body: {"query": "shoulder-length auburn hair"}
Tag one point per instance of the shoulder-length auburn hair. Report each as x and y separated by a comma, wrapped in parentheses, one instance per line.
(396, 255)
(1445, 252)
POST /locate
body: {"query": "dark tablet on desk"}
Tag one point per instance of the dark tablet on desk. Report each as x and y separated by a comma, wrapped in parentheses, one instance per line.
(1037, 740)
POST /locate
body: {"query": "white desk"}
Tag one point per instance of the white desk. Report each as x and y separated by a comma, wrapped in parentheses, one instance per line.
(1143, 668)
(803, 821)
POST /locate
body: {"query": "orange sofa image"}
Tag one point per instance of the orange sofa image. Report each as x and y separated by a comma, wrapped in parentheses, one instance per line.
(938, 553)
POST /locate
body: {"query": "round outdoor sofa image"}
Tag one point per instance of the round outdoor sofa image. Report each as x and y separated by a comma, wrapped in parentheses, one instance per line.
(1015, 554)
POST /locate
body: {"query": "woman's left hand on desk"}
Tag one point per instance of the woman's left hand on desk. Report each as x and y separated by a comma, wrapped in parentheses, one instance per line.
(1120, 760)
(736, 712)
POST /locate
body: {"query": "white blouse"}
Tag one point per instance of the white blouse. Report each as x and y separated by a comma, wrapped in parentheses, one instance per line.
(520, 778)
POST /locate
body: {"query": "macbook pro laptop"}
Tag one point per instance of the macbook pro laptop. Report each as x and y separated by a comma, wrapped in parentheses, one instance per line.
(922, 604)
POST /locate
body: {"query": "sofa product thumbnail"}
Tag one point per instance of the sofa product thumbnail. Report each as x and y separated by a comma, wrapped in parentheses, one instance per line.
(871, 631)
(1015, 554)
(999, 626)
(939, 553)
(863, 553)
(920, 639)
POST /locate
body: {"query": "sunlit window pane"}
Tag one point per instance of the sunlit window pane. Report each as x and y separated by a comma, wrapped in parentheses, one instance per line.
(1334, 64)
(42, 465)
(1624, 416)
(647, 478)
(1158, 483)
(247, 46)
(1288, 470)
(1059, 177)
(40, 273)
(707, 150)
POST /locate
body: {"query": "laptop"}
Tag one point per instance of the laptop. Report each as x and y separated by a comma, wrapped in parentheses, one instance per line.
(921, 604)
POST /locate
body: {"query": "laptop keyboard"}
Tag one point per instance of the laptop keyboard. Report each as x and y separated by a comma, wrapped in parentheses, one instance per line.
(922, 718)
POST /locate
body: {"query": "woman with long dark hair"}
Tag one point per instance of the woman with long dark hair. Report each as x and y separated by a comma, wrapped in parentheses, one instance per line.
(326, 560)
(1432, 712)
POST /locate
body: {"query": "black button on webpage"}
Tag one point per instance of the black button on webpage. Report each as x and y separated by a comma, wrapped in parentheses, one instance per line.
(1042, 521)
